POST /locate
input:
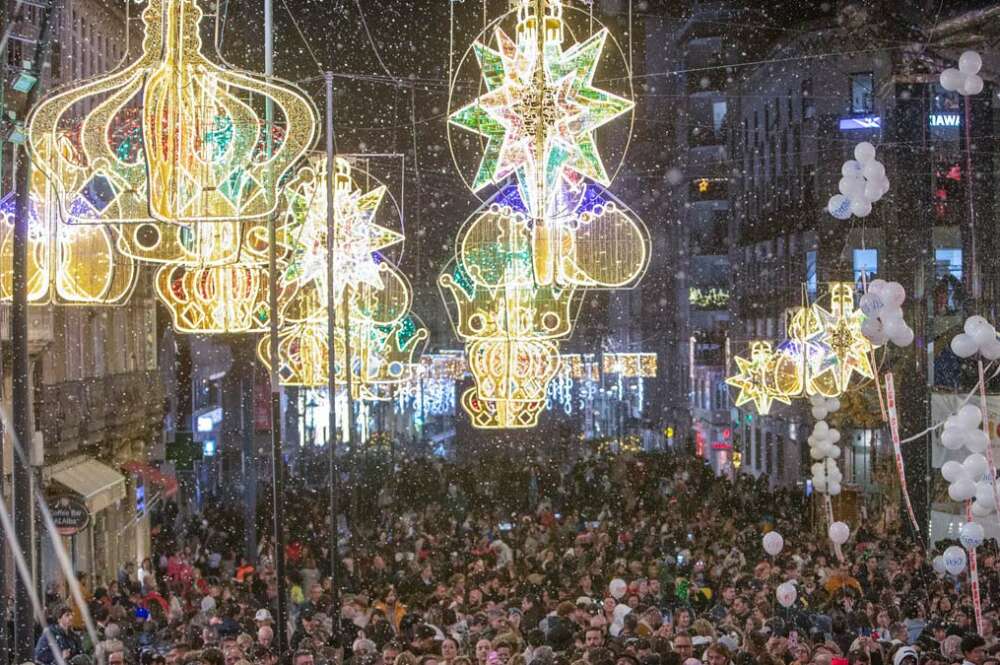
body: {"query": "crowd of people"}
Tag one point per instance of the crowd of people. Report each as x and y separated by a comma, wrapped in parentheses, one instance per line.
(622, 560)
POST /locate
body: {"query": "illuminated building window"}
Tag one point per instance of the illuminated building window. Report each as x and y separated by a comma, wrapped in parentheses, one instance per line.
(862, 92)
(811, 281)
(866, 263)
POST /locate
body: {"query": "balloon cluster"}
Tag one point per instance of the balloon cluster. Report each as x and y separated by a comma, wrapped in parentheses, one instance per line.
(966, 79)
(863, 184)
(883, 305)
(823, 448)
(979, 337)
(965, 479)
(823, 406)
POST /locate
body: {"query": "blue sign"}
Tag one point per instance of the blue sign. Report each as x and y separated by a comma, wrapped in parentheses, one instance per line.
(208, 448)
(944, 120)
(140, 499)
(861, 122)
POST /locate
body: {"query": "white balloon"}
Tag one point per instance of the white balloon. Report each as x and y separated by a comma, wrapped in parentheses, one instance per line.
(833, 405)
(617, 587)
(962, 489)
(839, 532)
(984, 491)
(973, 85)
(874, 170)
(976, 440)
(834, 489)
(984, 335)
(819, 484)
(991, 351)
(819, 413)
(773, 543)
(786, 594)
(894, 328)
(878, 339)
(905, 338)
(864, 152)
(971, 535)
(974, 322)
(963, 346)
(970, 62)
(839, 206)
(952, 79)
(894, 296)
(833, 452)
(952, 471)
(861, 207)
(953, 439)
(821, 428)
(938, 564)
(869, 303)
(970, 415)
(982, 508)
(852, 188)
(975, 466)
(954, 559)
(877, 286)
(852, 169)
(834, 435)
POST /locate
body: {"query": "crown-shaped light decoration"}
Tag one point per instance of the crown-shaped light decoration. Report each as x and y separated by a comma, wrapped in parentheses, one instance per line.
(825, 353)
(66, 265)
(369, 291)
(198, 154)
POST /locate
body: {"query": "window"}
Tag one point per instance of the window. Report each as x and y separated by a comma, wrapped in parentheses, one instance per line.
(862, 92)
(865, 263)
(948, 262)
(718, 117)
(811, 280)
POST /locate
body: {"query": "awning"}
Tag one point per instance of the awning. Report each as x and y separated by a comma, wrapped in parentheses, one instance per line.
(98, 484)
(152, 475)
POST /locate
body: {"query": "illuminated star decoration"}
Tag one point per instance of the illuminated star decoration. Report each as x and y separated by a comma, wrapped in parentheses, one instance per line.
(751, 379)
(703, 185)
(357, 239)
(540, 110)
(846, 351)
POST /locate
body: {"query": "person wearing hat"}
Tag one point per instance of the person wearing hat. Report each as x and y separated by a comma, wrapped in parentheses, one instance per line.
(905, 655)
(263, 617)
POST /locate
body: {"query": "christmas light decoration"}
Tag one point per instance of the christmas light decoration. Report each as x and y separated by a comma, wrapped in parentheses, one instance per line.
(631, 365)
(552, 229)
(824, 354)
(199, 154)
(371, 294)
(66, 265)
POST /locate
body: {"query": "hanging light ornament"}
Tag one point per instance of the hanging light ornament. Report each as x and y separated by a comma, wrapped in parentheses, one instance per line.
(823, 353)
(370, 293)
(170, 143)
(199, 153)
(551, 230)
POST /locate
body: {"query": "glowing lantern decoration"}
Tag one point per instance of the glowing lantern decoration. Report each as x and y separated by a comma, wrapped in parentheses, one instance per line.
(551, 230)
(199, 153)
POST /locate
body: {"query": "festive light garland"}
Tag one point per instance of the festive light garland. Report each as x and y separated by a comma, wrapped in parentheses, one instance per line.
(202, 156)
(551, 229)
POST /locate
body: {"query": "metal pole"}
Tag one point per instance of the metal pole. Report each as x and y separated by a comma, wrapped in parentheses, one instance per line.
(277, 466)
(247, 381)
(331, 329)
(5, 599)
(24, 627)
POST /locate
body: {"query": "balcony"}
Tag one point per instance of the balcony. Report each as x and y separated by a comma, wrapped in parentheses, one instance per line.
(41, 330)
(99, 411)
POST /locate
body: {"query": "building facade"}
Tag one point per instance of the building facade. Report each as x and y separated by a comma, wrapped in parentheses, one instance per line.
(97, 397)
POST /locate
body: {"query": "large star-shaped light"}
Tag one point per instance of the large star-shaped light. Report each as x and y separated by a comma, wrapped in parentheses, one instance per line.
(538, 115)
(751, 381)
(357, 238)
(845, 350)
